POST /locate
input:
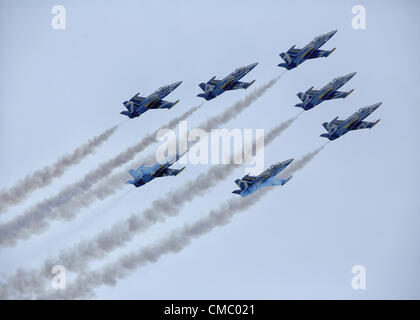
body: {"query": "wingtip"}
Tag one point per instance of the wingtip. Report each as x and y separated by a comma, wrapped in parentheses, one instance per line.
(331, 52)
(376, 122)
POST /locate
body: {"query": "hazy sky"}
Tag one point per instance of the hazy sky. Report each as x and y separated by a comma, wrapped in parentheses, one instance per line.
(356, 204)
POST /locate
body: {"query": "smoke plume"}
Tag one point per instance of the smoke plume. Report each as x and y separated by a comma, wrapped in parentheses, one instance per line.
(71, 199)
(43, 177)
(176, 241)
(36, 218)
(78, 257)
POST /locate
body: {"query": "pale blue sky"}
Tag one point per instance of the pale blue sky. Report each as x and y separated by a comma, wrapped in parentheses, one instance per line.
(356, 203)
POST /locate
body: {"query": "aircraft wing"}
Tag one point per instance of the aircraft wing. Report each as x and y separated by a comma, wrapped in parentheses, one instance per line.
(276, 181)
(162, 104)
(338, 94)
(320, 53)
(171, 172)
(239, 85)
(365, 125)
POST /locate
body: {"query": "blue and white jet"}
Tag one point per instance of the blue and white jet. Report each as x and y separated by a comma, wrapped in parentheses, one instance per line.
(336, 128)
(312, 97)
(138, 105)
(144, 174)
(214, 87)
(294, 57)
(249, 184)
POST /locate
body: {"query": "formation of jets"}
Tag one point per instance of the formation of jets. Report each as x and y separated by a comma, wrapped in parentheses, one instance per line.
(137, 105)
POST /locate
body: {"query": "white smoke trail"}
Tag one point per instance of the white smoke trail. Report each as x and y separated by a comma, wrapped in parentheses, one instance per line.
(70, 200)
(43, 177)
(84, 285)
(36, 218)
(78, 257)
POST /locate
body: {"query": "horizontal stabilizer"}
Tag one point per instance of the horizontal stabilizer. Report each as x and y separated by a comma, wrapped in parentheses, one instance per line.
(326, 135)
(285, 65)
(237, 191)
(205, 96)
(126, 113)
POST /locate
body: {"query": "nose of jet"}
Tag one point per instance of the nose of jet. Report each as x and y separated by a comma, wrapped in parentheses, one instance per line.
(331, 33)
(375, 106)
(350, 75)
(287, 162)
(252, 66)
(175, 85)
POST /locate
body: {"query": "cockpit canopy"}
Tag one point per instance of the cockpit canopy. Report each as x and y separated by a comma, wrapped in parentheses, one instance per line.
(238, 70)
(163, 88)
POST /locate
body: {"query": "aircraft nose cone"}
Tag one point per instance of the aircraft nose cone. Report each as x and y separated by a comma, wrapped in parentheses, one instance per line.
(252, 66)
(350, 75)
(331, 33)
(176, 84)
(375, 106)
(287, 162)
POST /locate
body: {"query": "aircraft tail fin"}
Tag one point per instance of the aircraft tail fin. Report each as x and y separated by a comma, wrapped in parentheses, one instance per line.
(242, 183)
(286, 57)
(206, 87)
(330, 126)
(132, 173)
(301, 96)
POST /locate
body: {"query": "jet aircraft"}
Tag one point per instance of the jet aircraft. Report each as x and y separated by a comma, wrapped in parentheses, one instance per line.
(144, 174)
(336, 128)
(294, 57)
(138, 105)
(214, 87)
(250, 184)
(311, 97)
